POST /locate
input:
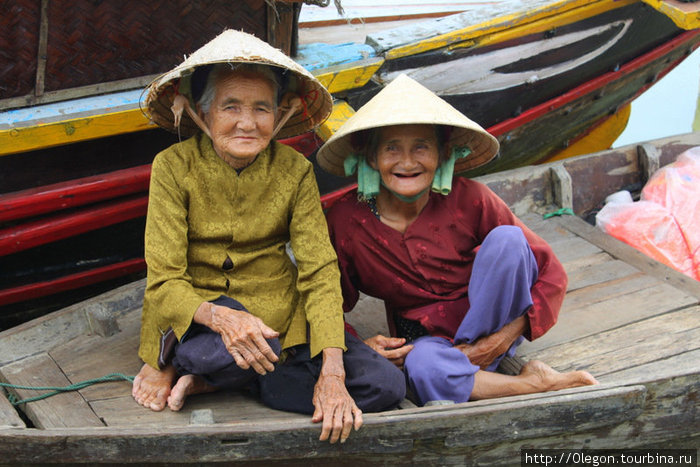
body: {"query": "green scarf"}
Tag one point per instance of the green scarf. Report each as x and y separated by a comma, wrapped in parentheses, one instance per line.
(369, 179)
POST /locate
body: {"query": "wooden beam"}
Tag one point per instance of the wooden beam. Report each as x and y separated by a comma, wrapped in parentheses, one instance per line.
(47, 230)
(528, 21)
(42, 53)
(343, 77)
(73, 193)
(41, 136)
(686, 14)
(71, 282)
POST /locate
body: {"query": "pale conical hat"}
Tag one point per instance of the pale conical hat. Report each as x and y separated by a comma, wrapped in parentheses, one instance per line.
(238, 47)
(402, 102)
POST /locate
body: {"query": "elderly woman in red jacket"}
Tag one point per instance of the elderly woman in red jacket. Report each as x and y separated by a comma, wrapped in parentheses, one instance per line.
(463, 280)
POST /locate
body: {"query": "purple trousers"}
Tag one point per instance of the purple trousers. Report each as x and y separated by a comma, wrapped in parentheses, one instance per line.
(499, 292)
(374, 382)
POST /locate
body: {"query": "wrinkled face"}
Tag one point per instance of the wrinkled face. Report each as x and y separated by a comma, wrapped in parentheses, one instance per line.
(407, 158)
(242, 116)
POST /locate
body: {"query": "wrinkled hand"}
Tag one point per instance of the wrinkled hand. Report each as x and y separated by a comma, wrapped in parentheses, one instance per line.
(244, 336)
(391, 348)
(484, 350)
(336, 408)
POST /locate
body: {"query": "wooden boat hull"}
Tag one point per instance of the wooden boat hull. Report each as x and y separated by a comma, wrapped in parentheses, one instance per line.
(645, 354)
(540, 81)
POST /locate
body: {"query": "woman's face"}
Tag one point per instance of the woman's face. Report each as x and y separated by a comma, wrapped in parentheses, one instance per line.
(407, 158)
(242, 116)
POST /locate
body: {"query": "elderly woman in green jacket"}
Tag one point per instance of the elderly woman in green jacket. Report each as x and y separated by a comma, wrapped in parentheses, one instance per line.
(224, 299)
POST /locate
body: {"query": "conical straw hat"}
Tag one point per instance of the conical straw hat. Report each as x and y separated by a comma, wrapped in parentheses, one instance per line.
(238, 47)
(402, 102)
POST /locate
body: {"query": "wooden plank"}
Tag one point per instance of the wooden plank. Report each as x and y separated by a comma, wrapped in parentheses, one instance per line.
(599, 291)
(632, 256)
(71, 281)
(50, 229)
(343, 77)
(591, 319)
(44, 333)
(625, 347)
(601, 269)
(671, 411)
(686, 15)
(9, 418)
(368, 317)
(42, 54)
(396, 435)
(340, 114)
(572, 250)
(227, 407)
(21, 139)
(93, 356)
(531, 19)
(63, 410)
(669, 367)
(76, 192)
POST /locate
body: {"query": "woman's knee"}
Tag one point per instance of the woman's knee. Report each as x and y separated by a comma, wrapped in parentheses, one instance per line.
(509, 236)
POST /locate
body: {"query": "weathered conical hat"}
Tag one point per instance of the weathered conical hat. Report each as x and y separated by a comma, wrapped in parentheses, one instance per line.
(238, 47)
(402, 102)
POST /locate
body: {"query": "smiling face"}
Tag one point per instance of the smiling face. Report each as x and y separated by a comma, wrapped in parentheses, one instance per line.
(407, 158)
(241, 117)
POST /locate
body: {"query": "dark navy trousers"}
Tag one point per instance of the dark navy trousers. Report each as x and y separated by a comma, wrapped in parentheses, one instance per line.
(504, 271)
(373, 382)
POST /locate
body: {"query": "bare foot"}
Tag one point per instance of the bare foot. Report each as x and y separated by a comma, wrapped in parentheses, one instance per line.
(151, 386)
(186, 386)
(546, 378)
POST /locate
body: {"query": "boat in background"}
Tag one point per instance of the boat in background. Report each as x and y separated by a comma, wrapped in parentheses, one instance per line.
(627, 319)
(549, 79)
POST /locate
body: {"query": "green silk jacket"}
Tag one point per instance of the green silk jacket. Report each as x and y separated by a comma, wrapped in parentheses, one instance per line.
(201, 212)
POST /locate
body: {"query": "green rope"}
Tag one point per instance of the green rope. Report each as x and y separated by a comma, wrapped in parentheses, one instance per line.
(58, 389)
(559, 212)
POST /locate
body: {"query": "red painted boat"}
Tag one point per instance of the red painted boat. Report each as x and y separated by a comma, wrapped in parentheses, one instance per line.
(72, 206)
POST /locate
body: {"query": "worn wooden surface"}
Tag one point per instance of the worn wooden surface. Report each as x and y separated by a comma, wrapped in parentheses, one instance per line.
(628, 320)
(63, 410)
(9, 418)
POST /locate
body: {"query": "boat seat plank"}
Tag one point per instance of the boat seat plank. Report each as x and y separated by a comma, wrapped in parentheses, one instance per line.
(63, 410)
(228, 407)
(635, 344)
(580, 297)
(9, 418)
(566, 245)
(630, 255)
(92, 356)
(596, 269)
(576, 323)
(670, 367)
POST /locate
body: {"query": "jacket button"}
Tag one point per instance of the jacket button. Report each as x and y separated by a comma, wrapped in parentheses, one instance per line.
(228, 264)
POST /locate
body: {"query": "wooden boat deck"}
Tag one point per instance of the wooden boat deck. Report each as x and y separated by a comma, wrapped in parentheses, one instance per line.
(630, 321)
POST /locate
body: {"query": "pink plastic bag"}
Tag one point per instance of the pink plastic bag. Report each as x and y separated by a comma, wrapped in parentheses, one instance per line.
(665, 223)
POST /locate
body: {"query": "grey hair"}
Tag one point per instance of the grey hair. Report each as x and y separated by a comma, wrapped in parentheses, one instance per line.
(221, 69)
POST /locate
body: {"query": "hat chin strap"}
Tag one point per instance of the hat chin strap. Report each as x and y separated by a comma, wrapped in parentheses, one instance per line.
(290, 104)
(181, 103)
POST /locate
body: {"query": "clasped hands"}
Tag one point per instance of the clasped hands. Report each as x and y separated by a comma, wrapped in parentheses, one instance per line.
(244, 336)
